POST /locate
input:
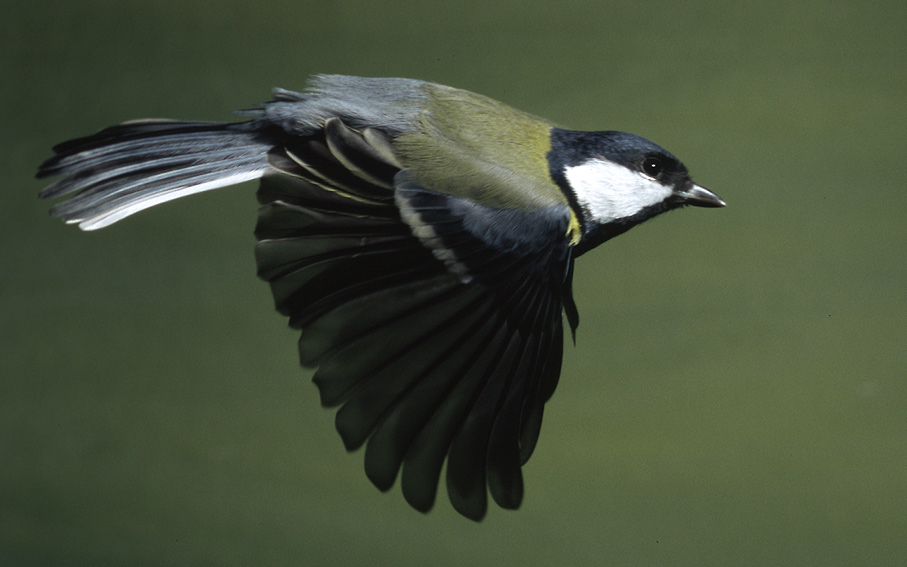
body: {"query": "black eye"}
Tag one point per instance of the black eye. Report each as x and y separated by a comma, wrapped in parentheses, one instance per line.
(652, 166)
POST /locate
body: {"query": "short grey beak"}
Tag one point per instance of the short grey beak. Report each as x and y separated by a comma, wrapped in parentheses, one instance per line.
(699, 196)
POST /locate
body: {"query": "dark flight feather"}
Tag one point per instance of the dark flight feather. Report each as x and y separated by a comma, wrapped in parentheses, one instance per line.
(426, 363)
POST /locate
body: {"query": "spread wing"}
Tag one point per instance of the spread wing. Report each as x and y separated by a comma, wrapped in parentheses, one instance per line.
(435, 322)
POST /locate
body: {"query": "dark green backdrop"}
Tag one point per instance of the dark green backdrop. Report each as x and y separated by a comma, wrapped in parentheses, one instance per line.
(738, 391)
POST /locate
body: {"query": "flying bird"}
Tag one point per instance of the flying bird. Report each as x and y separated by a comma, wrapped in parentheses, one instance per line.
(420, 237)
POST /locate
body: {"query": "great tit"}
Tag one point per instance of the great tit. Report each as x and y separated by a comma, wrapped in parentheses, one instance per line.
(422, 239)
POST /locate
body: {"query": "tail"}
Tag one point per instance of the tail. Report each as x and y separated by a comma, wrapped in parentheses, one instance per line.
(136, 165)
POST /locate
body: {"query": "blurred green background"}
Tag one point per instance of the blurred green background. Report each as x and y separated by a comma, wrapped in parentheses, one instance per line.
(738, 391)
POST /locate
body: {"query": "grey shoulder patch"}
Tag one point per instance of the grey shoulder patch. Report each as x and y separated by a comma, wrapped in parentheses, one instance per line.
(388, 104)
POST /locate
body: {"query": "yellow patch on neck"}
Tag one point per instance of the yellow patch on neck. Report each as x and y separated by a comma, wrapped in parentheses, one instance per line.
(574, 229)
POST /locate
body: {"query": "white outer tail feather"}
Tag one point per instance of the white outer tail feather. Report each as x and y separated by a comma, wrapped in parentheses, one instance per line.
(107, 218)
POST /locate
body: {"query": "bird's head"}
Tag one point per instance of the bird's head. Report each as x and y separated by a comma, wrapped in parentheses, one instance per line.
(617, 180)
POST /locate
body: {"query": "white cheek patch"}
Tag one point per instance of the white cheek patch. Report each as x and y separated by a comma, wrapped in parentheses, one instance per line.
(608, 191)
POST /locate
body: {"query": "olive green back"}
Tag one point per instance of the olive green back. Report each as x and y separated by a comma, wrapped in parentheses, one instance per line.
(471, 146)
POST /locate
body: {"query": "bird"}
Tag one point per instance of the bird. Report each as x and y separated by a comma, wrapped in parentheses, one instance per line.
(422, 240)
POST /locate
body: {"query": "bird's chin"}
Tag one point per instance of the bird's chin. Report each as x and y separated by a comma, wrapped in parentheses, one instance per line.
(599, 234)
